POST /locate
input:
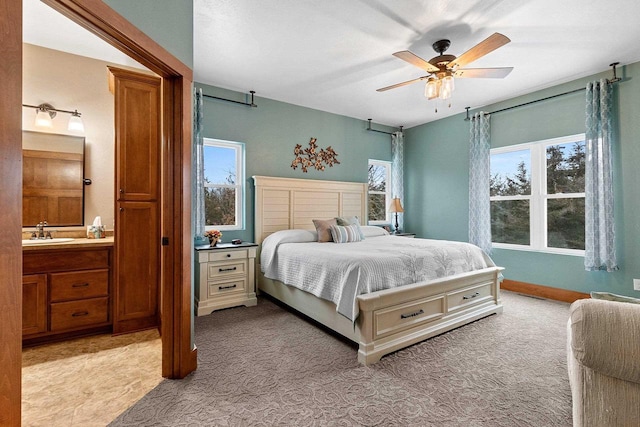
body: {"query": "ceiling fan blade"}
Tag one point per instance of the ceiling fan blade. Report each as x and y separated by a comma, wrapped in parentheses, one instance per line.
(483, 73)
(489, 44)
(414, 59)
(408, 82)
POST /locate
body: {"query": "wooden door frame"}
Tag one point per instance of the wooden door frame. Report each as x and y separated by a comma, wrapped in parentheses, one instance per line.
(178, 356)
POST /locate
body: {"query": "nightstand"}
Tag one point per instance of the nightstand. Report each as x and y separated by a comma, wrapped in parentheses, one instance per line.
(225, 277)
(410, 235)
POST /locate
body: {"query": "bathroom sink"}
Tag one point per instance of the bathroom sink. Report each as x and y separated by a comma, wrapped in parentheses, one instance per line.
(47, 241)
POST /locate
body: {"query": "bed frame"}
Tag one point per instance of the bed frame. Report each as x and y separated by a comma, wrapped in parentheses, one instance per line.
(390, 319)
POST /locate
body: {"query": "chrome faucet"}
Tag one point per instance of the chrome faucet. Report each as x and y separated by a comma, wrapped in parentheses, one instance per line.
(40, 229)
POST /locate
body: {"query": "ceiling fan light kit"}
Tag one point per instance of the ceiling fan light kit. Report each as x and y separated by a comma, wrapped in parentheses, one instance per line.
(443, 68)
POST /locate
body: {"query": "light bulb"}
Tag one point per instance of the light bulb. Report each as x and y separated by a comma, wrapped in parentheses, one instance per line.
(432, 88)
(43, 119)
(75, 122)
(447, 87)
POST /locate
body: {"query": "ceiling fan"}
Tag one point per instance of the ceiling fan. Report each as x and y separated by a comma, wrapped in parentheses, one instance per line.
(443, 68)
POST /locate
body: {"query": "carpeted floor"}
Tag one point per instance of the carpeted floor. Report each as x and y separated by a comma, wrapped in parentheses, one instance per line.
(264, 366)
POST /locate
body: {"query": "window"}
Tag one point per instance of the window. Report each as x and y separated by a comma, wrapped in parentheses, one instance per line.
(223, 184)
(537, 195)
(379, 191)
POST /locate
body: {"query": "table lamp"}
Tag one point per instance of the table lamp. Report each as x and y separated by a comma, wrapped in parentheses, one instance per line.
(396, 207)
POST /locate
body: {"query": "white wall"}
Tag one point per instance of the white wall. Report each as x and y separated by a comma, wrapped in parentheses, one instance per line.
(71, 82)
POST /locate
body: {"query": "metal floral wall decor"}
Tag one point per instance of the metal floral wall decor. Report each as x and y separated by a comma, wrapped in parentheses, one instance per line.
(312, 157)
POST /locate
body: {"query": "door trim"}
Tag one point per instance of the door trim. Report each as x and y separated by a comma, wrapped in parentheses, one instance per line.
(178, 356)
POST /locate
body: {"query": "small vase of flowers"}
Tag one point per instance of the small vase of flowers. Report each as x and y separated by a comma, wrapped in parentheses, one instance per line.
(213, 236)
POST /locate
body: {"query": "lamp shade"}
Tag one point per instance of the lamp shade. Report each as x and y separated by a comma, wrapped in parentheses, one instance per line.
(43, 119)
(75, 122)
(395, 205)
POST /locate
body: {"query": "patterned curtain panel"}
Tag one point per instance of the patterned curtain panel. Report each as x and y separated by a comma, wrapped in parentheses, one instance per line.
(479, 176)
(600, 251)
(198, 169)
(397, 171)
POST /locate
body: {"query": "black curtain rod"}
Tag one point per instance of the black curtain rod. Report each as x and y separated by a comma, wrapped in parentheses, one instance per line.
(379, 131)
(615, 79)
(251, 104)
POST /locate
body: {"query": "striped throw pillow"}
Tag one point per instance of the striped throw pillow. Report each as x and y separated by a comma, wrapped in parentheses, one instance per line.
(346, 234)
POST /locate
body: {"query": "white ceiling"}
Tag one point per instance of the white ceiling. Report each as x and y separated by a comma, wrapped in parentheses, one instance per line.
(332, 55)
(43, 26)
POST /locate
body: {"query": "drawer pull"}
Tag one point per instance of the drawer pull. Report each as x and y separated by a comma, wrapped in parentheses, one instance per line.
(227, 269)
(228, 255)
(473, 295)
(80, 313)
(227, 287)
(79, 285)
(417, 313)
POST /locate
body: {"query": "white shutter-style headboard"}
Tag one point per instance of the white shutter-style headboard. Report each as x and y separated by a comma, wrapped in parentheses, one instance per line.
(286, 203)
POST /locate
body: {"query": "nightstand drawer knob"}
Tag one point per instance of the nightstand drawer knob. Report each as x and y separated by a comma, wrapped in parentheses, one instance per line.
(227, 269)
(228, 255)
(227, 287)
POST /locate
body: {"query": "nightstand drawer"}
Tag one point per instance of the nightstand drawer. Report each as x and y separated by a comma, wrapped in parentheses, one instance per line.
(221, 270)
(76, 314)
(79, 284)
(219, 255)
(217, 289)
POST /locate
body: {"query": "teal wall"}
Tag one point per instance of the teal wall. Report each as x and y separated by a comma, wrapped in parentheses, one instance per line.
(271, 131)
(168, 22)
(437, 179)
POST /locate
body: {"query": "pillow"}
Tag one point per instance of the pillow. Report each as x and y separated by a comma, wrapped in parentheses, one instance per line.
(373, 231)
(323, 229)
(350, 220)
(346, 234)
(347, 220)
(613, 297)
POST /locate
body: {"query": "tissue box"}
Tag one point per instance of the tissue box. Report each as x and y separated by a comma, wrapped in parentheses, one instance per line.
(96, 232)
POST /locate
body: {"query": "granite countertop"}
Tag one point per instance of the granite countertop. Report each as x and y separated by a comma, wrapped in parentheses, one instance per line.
(76, 243)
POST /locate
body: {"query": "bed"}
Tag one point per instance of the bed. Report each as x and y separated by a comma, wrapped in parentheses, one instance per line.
(384, 320)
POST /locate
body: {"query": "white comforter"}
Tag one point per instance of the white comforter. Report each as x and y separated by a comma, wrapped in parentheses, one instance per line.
(341, 272)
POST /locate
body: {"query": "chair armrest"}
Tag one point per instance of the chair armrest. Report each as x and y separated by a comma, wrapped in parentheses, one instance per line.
(605, 336)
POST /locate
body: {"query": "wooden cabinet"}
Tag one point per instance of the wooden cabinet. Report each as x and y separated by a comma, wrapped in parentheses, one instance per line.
(66, 292)
(34, 304)
(137, 99)
(225, 277)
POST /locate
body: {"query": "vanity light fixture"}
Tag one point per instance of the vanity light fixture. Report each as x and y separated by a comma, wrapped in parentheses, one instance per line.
(46, 112)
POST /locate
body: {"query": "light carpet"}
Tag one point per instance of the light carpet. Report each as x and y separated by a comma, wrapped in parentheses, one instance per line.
(264, 366)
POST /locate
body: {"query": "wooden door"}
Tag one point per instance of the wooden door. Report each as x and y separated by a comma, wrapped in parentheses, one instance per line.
(137, 228)
(34, 304)
(137, 266)
(137, 119)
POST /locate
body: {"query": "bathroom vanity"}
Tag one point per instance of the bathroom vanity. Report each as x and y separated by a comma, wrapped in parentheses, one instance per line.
(66, 289)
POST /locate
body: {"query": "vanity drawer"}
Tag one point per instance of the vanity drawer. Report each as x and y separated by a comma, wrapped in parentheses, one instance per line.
(79, 284)
(217, 289)
(223, 270)
(400, 317)
(76, 314)
(47, 261)
(219, 255)
(469, 297)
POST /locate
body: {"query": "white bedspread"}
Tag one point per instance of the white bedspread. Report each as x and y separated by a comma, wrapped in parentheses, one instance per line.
(341, 272)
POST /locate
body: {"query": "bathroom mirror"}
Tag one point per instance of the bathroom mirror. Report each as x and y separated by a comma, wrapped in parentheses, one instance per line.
(52, 179)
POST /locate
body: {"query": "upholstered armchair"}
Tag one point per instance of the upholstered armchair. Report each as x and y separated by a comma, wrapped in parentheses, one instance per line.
(604, 363)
